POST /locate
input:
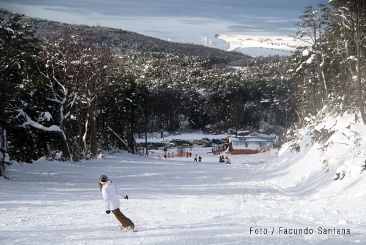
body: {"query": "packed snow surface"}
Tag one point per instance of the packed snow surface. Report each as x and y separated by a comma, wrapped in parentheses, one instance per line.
(258, 199)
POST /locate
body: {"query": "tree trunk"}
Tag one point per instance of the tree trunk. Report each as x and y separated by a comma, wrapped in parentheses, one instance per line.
(321, 91)
(359, 83)
(64, 145)
(93, 129)
(2, 151)
(80, 130)
(145, 128)
(85, 147)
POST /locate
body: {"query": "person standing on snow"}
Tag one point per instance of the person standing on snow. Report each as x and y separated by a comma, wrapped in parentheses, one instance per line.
(112, 203)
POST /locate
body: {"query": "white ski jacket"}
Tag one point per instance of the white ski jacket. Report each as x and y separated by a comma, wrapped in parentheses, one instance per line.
(110, 194)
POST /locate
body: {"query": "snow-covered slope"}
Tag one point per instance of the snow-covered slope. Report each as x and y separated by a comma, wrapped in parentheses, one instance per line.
(258, 199)
(329, 148)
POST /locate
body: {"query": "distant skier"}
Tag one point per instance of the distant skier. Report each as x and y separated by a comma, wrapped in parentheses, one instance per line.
(112, 203)
(227, 160)
(199, 158)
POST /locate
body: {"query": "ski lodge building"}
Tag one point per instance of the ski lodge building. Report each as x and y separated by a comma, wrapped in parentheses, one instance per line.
(251, 144)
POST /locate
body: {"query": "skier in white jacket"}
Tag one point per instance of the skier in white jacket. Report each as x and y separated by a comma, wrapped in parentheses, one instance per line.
(112, 203)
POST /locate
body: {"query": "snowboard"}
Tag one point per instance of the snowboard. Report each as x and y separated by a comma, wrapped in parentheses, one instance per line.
(127, 230)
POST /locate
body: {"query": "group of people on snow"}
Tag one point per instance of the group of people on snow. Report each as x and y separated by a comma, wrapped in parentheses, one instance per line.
(224, 159)
(199, 158)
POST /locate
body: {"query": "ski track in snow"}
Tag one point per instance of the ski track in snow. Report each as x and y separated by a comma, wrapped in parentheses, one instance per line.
(172, 201)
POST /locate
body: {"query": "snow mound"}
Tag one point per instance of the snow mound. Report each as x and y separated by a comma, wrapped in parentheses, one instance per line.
(325, 157)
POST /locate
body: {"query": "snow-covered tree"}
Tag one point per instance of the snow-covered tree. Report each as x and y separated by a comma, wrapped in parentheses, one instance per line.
(18, 53)
(349, 24)
(77, 71)
(313, 57)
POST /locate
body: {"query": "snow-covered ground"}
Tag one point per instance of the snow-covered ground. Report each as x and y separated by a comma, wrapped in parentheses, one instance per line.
(281, 43)
(258, 199)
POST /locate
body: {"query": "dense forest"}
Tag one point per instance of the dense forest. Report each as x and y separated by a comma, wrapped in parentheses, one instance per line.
(69, 91)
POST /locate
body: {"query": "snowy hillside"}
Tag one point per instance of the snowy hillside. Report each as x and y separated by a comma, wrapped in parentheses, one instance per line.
(329, 148)
(258, 199)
